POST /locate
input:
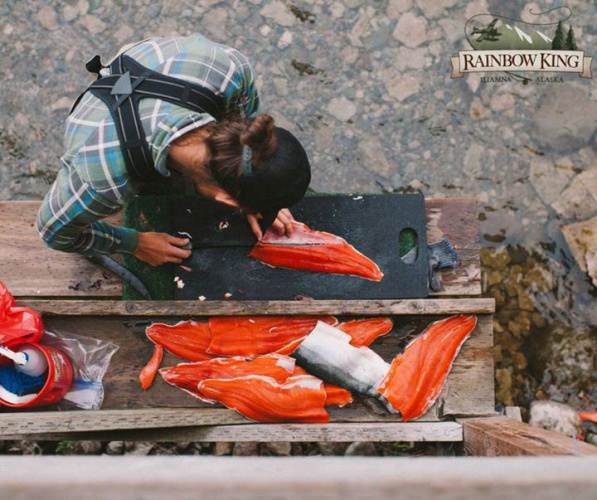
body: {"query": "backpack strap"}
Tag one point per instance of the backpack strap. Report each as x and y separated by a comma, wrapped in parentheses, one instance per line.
(122, 91)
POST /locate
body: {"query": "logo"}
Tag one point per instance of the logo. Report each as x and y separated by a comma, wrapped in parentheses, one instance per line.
(514, 46)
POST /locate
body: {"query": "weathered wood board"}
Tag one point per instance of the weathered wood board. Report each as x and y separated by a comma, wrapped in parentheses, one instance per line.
(29, 269)
(503, 436)
(468, 391)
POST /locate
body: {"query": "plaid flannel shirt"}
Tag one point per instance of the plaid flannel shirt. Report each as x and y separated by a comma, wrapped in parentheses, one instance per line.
(93, 182)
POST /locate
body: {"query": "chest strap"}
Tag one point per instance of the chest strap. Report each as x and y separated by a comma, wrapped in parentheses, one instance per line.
(122, 91)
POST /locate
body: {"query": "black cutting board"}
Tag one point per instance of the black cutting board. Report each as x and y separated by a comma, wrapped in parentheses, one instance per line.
(371, 223)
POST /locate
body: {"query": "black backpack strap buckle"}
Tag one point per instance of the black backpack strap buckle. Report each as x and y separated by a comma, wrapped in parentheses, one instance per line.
(94, 65)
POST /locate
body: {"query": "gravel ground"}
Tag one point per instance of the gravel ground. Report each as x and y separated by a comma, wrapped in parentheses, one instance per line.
(366, 86)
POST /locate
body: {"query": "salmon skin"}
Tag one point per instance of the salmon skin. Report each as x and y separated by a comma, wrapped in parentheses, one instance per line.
(149, 371)
(417, 376)
(188, 375)
(186, 339)
(252, 336)
(327, 353)
(300, 399)
(317, 251)
(363, 332)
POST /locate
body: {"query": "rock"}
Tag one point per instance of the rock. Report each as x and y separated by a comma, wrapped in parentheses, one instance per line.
(591, 438)
(330, 448)
(361, 448)
(216, 26)
(401, 87)
(62, 103)
(502, 101)
(265, 30)
(579, 199)
(495, 258)
(397, 7)
(435, 8)
(247, 448)
(582, 240)
(124, 33)
(93, 24)
(285, 40)
(279, 13)
(24, 448)
(566, 118)
(372, 157)
(114, 448)
(549, 178)
(477, 111)
(222, 448)
(341, 108)
(519, 360)
(70, 12)
(473, 158)
(411, 30)
(47, 18)
(276, 448)
(84, 448)
(139, 448)
(337, 10)
(503, 393)
(554, 416)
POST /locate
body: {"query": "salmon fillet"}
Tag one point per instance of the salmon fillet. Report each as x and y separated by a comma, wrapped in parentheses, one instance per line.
(317, 251)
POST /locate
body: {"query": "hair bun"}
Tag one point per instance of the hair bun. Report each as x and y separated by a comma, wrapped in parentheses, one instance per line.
(259, 136)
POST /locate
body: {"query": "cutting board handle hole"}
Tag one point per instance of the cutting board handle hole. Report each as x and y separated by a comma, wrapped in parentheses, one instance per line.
(408, 243)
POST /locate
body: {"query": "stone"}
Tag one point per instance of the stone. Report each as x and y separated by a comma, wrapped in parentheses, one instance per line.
(495, 258)
(566, 118)
(579, 200)
(265, 30)
(337, 10)
(93, 24)
(582, 240)
(503, 393)
(401, 87)
(138, 448)
(278, 12)
(114, 448)
(477, 111)
(47, 18)
(84, 448)
(285, 40)
(554, 416)
(435, 8)
(361, 448)
(243, 449)
(222, 448)
(216, 26)
(397, 7)
(550, 177)
(502, 101)
(25, 448)
(276, 448)
(371, 153)
(124, 33)
(411, 30)
(70, 12)
(341, 108)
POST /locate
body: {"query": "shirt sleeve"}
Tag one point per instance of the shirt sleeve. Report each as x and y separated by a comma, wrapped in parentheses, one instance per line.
(69, 219)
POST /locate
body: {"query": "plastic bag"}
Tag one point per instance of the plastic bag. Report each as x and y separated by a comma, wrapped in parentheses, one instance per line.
(91, 359)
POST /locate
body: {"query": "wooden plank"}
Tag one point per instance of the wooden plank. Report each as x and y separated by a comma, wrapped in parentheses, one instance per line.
(28, 267)
(238, 308)
(39, 422)
(297, 478)
(470, 389)
(456, 220)
(332, 432)
(501, 436)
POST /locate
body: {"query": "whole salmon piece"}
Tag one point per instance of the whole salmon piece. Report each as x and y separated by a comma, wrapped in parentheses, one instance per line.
(300, 399)
(317, 251)
(417, 376)
(327, 353)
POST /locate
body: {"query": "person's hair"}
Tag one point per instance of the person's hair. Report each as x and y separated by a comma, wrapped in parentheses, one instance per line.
(281, 170)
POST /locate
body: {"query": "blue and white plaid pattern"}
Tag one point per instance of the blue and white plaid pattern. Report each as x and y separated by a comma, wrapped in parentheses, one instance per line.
(93, 183)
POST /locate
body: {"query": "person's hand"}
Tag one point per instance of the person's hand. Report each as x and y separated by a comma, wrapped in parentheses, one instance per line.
(281, 225)
(160, 248)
